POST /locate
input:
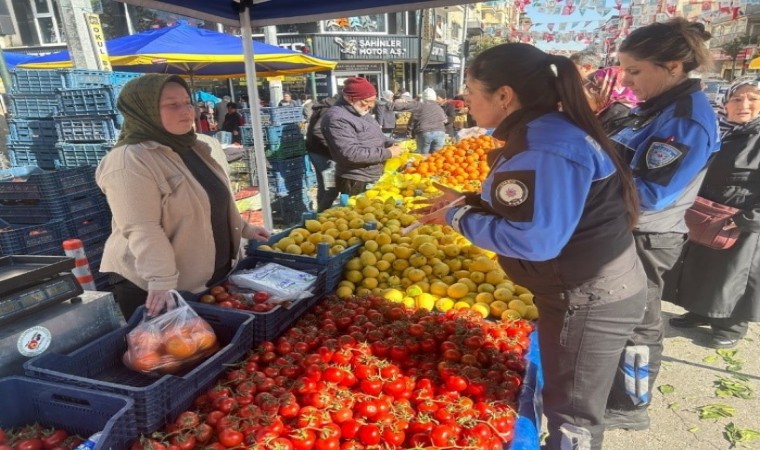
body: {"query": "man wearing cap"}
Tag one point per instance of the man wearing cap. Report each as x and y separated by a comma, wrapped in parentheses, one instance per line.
(356, 141)
(448, 108)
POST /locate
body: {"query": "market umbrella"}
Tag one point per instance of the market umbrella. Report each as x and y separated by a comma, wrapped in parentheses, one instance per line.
(187, 50)
(206, 97)
(754, 64)
(14, 59)
(243, 13)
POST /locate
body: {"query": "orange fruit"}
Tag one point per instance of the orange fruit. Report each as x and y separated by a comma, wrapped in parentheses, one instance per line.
(180, 345)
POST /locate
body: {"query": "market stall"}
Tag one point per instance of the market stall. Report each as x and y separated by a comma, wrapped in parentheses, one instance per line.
(408, 337)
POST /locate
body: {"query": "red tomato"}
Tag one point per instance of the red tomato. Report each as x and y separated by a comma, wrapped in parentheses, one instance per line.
(53, 438)
(29, 444)
(302, 439)
(230, 438)
(369, 434)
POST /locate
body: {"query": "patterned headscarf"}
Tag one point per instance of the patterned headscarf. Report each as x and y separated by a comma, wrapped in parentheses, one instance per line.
(726, 126)
(606, 88)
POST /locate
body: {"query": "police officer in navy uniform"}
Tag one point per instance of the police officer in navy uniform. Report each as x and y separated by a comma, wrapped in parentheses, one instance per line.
(558, 208)
(668, 140)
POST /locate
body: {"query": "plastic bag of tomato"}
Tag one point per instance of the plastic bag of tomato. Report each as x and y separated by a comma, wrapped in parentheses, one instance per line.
(364, 372)
(169, 342)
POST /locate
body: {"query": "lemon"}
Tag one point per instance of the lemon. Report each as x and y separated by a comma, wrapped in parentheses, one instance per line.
(307, 248)
(481, 309)
(425, 301)
(444, 304)
(368, 258)
(313, 225)
(461, 305)
(414, 290)
(485, 297)
(486, 287)
(510, 315)
(371, 246)
(369, 283)
(354, 276)
(521, 290)
(285, 243)
(294, 249)
(519, 306)
(370, 272)
(438, 288)
(393, 295)
(409, 302)
(503, 294)
(497, 308)
(457, 290)
(526, 298)
(344, 292)
(531, 312)
(477, 277)
(494, 277)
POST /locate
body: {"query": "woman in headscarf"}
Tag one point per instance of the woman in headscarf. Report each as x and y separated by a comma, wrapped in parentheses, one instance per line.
(721, 288)
(175, 224)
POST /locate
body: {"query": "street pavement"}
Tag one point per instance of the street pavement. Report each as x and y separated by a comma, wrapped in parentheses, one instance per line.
(692, 368)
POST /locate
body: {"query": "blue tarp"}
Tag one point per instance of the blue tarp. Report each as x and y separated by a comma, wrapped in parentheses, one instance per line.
(528, 424)
(13, 59)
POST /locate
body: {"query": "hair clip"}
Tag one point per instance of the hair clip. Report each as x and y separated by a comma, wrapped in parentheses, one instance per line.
(553, 68)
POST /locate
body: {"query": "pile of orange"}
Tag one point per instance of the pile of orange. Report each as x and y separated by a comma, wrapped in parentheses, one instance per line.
(460, 165)
(168, 350)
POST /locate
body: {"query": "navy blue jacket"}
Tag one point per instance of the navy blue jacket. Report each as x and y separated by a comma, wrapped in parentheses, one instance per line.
(668, 141)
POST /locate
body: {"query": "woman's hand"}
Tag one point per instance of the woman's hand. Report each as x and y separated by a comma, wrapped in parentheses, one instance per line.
(437, 217)
(447, 197)
(260, 234)
(158, 300)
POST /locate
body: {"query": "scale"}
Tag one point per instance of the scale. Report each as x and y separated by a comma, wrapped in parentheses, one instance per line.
(31, 283)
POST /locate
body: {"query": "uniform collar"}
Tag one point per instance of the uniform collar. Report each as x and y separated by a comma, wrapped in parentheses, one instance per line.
(660, 102)
(513, 130)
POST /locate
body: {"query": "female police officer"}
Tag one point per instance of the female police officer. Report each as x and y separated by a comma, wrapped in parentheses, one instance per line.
(558, 208)
(668, 140)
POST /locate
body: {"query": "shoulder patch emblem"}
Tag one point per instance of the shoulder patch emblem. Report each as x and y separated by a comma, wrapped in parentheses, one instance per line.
(512, 192)
(661, 154)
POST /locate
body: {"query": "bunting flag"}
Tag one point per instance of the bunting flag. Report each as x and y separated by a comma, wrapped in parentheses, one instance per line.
(550, 26)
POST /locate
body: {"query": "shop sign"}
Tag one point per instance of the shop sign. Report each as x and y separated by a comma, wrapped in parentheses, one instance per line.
(353, 47)
(438, 53)
(359, 67)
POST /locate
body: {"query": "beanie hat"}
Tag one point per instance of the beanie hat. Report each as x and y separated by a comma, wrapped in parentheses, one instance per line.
(358, 88)
(388, 95)
(429, 94)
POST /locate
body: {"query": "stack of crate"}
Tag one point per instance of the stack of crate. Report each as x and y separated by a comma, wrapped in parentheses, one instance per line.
(63, 118)
(41, 209)
(285, 149)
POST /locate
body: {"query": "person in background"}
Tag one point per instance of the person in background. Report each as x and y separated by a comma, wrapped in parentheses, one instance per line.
(587, 62)
(448, 109)
(307, 104)
(428, 123)
(668, 140)
(220, 110)
(610, 100)
(319, 154)
(356, 141)
(721, 288)
(233, 121)
(202, 124)
(559, 217)
(385, 111)
(175, 224)
(288, 100)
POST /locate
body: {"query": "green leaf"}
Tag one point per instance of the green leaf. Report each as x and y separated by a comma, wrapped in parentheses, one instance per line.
(666, 389)
(710, 359)
(739, 376)
(693, 429)
(734, 367)
(734, 434)
(726, 353)
(715, 411)
(674, 405)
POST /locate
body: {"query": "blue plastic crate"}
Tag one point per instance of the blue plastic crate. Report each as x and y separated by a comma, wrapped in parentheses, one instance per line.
(81, 154)
(43, 239)
(158, 401)
(285, 150)
(527, 431)
(276, 134)
(286, 175)
(287, 211)
(90, 226)
(31, 183)
(246, 135)
(83, 78)
(35, 106)
(86, 102)
(224, 137)
(87, 128)
(271, 324)
(36, 81)
(333, 263)
(78, 411)
(44, 156)
(122, 78)
(33, 131)
(281, 115)
(83, 205)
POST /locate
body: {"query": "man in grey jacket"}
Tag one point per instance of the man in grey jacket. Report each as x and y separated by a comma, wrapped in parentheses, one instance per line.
(356, 141)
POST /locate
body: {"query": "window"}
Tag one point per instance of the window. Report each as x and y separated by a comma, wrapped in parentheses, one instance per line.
(373, 23)
(46, 22)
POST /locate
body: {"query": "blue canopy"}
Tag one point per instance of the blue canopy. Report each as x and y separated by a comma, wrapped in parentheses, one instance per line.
(14, 59)
(185, 49)
(277, 12)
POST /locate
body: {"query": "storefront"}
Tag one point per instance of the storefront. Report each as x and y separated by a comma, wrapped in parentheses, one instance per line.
(432, 74)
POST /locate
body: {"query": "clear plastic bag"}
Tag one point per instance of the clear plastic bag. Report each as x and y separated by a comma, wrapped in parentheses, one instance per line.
(169, 342)
(282, 283)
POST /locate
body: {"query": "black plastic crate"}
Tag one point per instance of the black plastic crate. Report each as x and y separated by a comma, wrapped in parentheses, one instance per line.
(64, 208)
(30, 183)
(36, 106)
(158, 401)
(276, 134)
(86, 102)
(36, 81)
(82, 154)
(90, 227)
(87, 128)
(44, 156)
(287, 211)
(285, 150)
(33, 131)
(43, 239)
(76, 410)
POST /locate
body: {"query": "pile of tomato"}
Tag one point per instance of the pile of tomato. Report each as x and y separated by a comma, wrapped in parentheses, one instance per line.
(464, 164)
(36, 437)
(364, 373)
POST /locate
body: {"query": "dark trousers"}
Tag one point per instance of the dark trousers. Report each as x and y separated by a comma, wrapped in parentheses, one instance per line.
(351, 187)
(725, 327)
(128, 295)
(640, 363)
(325, 196)
(580, 343)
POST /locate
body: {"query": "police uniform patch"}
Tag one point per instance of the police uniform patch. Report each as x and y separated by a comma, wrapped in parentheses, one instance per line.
(660, 154)
(512, 192)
